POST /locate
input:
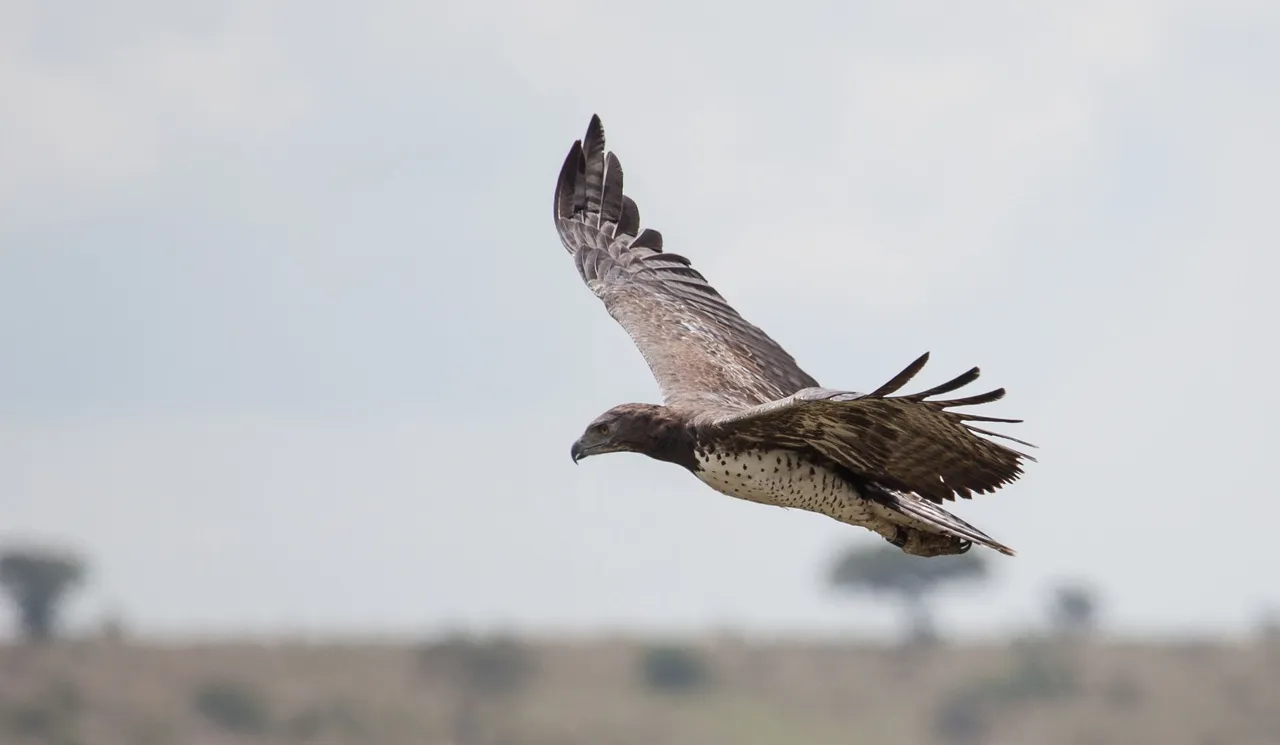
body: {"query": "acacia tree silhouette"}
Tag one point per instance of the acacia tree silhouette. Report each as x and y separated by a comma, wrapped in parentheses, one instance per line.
(886, 569)
(37, 581)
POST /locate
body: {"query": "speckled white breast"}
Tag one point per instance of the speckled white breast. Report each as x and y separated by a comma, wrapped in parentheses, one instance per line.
(780, 478)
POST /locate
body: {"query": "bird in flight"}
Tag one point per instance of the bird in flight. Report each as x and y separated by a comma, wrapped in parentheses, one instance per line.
(741, 415)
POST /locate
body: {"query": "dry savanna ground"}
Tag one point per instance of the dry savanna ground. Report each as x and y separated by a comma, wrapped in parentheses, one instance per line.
(628, 692)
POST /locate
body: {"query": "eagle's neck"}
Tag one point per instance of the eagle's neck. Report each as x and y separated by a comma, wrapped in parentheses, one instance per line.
(670, 439)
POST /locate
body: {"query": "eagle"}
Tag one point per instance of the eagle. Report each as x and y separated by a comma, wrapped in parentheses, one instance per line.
(739, 413)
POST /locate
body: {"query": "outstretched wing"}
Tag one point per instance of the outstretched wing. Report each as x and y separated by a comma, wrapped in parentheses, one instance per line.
(702, 353)
(908, 443)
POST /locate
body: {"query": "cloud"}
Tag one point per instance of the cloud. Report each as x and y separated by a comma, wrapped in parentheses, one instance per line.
(97, 111)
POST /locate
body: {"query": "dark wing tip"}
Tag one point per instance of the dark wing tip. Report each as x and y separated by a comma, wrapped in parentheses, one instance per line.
(901, 378)
(595, 130)
(649, 238)
(611, 201)
(981, 398)
(590, 184)
(563, 206)
(629, 220)
(960, 381)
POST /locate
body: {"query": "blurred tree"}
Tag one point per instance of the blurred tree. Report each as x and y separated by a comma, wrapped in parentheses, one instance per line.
(886, 569)
(482, 673)
(1074, 609)
(37, 581)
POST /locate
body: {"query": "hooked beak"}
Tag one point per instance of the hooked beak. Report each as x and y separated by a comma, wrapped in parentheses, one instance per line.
(587, 449)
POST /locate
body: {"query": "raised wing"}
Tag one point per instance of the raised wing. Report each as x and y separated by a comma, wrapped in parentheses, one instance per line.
(702, 353)
(907, 443)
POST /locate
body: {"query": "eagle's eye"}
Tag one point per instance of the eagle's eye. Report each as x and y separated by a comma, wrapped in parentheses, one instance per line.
(601, 429)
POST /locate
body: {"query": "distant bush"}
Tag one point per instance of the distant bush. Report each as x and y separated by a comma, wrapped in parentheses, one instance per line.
(492, 666)
(674, 669)
(233, 706)
(31, 719)
(53, 717)
(112, 630)
(963, 718)
(1074, 609)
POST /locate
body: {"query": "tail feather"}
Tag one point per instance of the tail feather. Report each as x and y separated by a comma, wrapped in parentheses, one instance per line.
(933, 519)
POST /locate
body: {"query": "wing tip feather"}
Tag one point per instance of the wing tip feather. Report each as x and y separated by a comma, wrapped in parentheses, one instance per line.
(590, 187)
(650, 239)
(563, 205)
(902, 378)
(595, 130)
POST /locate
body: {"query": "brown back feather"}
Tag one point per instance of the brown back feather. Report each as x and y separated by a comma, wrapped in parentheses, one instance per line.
(906, 442)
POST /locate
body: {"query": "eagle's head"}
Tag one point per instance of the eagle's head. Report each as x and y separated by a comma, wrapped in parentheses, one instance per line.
(629, 428)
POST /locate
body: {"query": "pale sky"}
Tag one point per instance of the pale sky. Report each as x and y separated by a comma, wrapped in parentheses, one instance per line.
(288, 341)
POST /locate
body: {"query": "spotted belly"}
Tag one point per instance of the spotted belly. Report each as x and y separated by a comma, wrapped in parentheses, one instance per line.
(782, 479)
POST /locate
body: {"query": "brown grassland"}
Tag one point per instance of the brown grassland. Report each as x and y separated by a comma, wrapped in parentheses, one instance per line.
(595, 692)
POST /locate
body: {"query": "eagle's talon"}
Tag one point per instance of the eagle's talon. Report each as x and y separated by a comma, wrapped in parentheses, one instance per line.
(900, 537)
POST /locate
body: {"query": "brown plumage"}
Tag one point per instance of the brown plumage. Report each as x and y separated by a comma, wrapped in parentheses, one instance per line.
(740, 413)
